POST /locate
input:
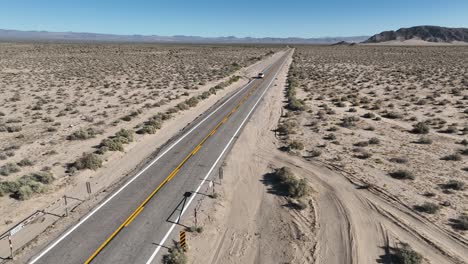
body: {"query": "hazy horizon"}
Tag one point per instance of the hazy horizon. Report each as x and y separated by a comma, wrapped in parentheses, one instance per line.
(185, 35)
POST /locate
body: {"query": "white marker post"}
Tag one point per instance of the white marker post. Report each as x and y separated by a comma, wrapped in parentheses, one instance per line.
(211, 185)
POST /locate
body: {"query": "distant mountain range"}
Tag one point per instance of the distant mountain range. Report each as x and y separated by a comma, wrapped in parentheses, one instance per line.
(17, 35)
(425, 33)
(432, 34)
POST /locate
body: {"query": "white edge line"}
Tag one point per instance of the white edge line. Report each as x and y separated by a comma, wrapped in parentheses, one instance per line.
(45, 251)
(211, 169)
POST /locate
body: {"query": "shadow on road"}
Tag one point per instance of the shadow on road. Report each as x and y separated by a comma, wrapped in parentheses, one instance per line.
(178, 210)
(156, 244)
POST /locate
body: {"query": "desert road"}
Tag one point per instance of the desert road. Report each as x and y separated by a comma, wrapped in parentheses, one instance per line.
(138, 221)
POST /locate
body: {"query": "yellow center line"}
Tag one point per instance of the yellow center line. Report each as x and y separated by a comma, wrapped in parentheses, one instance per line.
(173, 173)
(139, 209)
(196, 150)
(134, 216)
(204, 139)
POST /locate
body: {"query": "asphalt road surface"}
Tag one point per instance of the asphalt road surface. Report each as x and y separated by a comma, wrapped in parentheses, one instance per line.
(131, 224)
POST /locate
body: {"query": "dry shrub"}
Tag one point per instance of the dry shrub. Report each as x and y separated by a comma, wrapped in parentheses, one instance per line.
(176, 255)
(420, 128)
(295, 188)
(430, 208)
(402, 174)
(88, 161)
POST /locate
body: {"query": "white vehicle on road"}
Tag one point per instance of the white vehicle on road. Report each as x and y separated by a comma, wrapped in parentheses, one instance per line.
(261, 75)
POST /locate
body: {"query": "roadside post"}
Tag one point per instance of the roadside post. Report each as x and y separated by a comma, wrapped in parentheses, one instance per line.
(182, 241)
(66, 205)
(88, 187)
(195, 215)
(211, 185)
(11, 246)
(220, 175)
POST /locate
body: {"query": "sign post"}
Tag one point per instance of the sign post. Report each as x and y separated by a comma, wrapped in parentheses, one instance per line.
(195, 214)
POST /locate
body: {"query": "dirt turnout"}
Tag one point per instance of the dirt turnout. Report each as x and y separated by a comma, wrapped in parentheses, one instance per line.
(359, 212)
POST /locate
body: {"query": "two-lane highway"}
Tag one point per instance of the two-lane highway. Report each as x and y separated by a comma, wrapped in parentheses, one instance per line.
(132, 223)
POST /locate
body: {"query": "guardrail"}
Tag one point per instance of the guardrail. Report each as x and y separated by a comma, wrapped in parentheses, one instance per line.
(28, 229)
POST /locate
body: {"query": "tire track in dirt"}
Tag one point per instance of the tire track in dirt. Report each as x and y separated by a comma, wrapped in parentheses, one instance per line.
(358, 225)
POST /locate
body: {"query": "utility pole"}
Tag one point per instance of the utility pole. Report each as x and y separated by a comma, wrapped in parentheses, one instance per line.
(195, 214)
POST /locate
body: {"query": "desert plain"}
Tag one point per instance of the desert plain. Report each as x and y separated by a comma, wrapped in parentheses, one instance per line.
(357, 154)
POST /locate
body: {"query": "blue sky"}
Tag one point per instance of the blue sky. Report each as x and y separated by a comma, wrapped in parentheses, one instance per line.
(256, 18)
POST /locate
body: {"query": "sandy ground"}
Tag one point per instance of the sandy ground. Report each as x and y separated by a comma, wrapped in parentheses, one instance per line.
(347, 220)
(118, 165)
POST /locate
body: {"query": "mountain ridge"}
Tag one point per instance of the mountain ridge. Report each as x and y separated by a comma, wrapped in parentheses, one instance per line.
(435, 34)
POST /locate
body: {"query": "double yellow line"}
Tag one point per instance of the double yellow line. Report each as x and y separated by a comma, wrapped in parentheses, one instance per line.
(139, 209)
